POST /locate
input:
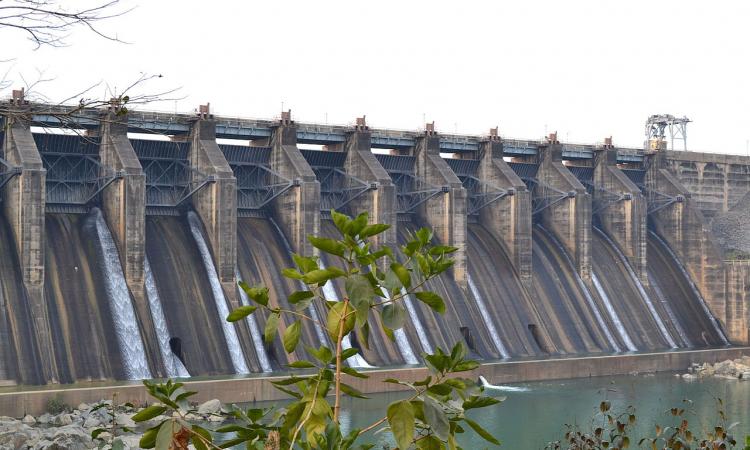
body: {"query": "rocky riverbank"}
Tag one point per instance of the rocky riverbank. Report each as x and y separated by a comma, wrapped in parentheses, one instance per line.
(72, 429)
(737, 369)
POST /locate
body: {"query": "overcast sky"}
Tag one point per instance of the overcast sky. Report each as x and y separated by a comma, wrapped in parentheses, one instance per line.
(587, 69)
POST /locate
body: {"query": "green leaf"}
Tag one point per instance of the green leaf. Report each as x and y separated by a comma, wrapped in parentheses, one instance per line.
(392, 281)
(372, 230)
(149, 413)
(292, 273)
(117, 444)
(440, 389)
(167, 430)
(353, 372)
(348, 353)
(291, 336)
(299, 296)
(305, 263)
(394, 316)
(360, 293)
(335, 314)
(436, 418)
(351, 392)
(272, 324)
(442, 250)
(241, 313)
(431, 299)
(465, 366)
(318, 276)
(364, 335)
(358, 224)
(401, 419)
(148, 439)
(330, 246)
(429, 443)
(97, 432)
(402, 273)
(322, 354)
(424, 235)
(479, 402)
(340, 220)
(481, 431)
(258, 294)
(301, 364)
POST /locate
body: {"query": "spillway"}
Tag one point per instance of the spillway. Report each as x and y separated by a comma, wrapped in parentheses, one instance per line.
(186, 295)
(573, 325)
(255, 333)
(126, 325)
(672, 284)
(83, 328)
(510, 308)
(642, 322)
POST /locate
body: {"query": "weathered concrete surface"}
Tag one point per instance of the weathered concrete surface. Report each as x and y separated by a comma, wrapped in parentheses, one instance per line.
(444, 213)
(380, 203)
(625, 220)
(569, 219)
(509, 218)
(24, 203)
(298, 209)
(738, 299)
(236, 390)
(124, 207)
(717, 181)
(216, 203)
(684, 228)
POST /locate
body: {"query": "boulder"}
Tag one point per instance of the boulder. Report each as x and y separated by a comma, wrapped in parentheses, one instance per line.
(28, 419)
(83, 407)
(63, 420)
(124, 420)
(44, 419)
(210, 407)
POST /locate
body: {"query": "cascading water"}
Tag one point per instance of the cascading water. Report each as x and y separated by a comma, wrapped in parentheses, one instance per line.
(417, 323)
(613, 314)
(230, 334)
(311, 310)
(586, 293)
(668, 308)
(693, 287)
(172, 363)
(646, 298)
(357, 360)
(255, 334)
(402, 342)
(486, 317)
(126, 325)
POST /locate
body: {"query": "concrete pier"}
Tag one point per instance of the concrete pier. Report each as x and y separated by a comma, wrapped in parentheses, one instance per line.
(298, 209)
(509, 218)
(444, 213)
(216, 203)
(124, 208)
(738, 299)
(569, 218)
(684, 228)
(380, 203)
(24, 203)
(624, 219)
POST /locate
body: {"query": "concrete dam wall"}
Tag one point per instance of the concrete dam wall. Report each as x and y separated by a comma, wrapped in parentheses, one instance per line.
(120, 255)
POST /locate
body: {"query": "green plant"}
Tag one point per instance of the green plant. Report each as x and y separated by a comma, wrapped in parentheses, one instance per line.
(375, 282)
(56, 405)
(106, 438)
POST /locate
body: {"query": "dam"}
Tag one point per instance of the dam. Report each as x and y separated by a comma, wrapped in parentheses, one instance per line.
(123, 238)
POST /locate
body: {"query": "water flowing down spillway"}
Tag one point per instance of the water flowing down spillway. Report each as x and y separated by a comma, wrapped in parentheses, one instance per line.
(172, 364)
(510, 310)
(255, 334)
(222, 308)
(81, 319)
(564, 303)
(673, 285)
(650, 326)
(624, 336)
(126, 324)
(182, 283)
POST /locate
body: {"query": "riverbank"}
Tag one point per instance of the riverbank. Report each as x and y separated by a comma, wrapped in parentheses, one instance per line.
(20, 401)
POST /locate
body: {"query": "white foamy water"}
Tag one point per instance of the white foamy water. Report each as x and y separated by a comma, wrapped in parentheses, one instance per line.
(230, 333)
(255, 334)
(123, 314)
(487, 385)
(613, 314)
(172, 364)
(670, 312)
(402, 342)
(494, 335)
(426, 346)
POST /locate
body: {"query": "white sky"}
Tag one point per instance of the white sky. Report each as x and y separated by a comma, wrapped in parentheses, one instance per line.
(587, 69)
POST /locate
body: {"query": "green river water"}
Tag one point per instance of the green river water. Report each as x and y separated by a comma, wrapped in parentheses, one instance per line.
(531, 418)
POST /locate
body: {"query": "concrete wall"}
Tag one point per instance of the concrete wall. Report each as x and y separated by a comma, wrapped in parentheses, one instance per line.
(509, 218)
(380, 203)
(124, 208)
(298, 209)
(717, 181)
(625, 221)
(569, 219)
(445, 213)
(738, 299)
(239, 390)
(216, 203)
(684, 228)
(24, 203)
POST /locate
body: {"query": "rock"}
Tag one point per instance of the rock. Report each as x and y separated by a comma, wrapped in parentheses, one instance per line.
(689, 377)
(63, 420)
(92, 422)
(70, 437)
(44, 419)
(215, 418)
(210, 407)
(28, 419)
(83, 407)
(131, 442)
(745, 376)
(124, 420)
(18, 435)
